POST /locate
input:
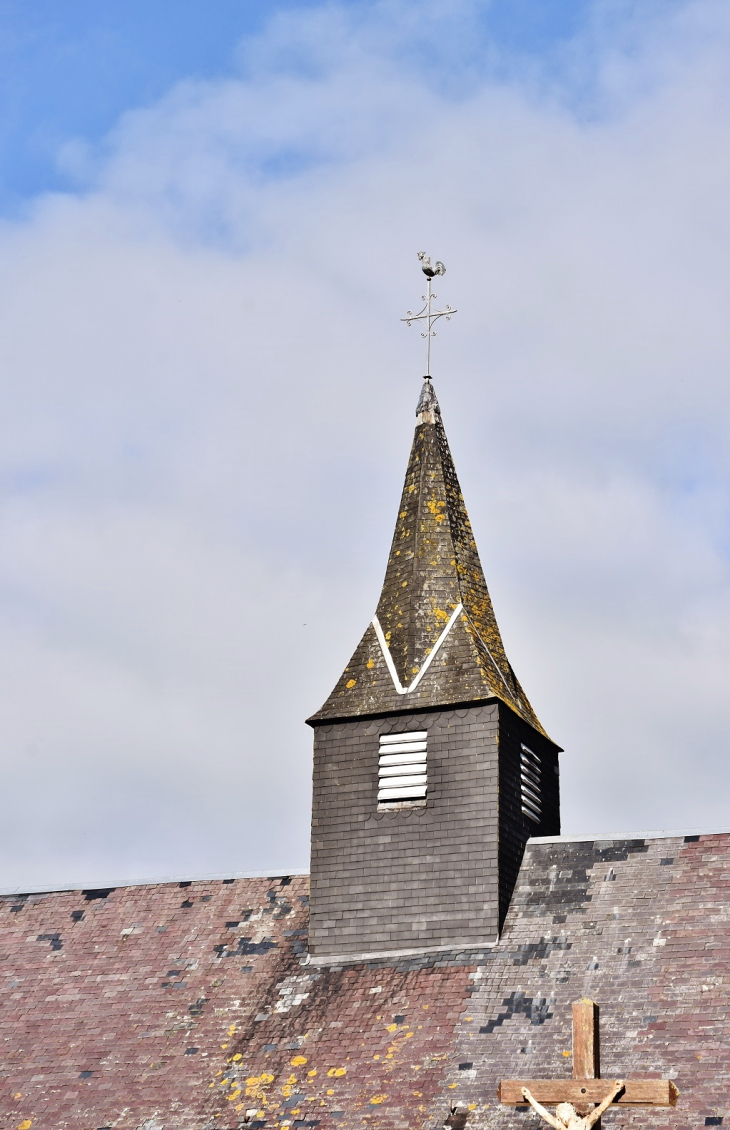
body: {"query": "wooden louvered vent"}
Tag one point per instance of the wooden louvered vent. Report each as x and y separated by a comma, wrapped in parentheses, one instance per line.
(530, 773)
(402, 768)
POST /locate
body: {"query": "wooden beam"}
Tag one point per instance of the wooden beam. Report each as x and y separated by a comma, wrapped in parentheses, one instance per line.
(585, 1040)
(637, 1092)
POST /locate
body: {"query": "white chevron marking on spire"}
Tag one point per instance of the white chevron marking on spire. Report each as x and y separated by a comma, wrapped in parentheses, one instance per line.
(429, 658)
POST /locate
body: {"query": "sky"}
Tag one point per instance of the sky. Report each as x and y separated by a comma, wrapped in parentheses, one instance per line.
(209, 219)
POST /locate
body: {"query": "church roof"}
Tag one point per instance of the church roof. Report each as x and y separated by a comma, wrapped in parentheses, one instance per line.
(434, 640)
(182, 1005)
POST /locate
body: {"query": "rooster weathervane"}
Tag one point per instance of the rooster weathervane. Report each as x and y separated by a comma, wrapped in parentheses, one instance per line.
(428, 314)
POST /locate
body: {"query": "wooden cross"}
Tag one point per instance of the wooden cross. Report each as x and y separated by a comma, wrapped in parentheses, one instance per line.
(586, 1086)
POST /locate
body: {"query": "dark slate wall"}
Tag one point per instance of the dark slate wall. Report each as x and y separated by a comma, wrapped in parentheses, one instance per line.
(411, 878)
(515, 828)
(643, 928)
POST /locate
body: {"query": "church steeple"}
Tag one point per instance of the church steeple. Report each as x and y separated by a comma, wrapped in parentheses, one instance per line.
(434, 640)
(431, 770)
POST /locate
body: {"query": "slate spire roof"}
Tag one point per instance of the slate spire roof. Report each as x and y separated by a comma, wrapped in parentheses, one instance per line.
(434, 640)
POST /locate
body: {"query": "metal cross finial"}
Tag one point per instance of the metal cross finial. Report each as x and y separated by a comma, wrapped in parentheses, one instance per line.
(428, 314)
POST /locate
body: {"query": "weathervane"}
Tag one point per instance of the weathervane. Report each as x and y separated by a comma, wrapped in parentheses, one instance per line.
(428, 314)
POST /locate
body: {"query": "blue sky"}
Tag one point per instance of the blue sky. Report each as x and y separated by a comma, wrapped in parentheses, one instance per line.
(70, 68)
(209, 221)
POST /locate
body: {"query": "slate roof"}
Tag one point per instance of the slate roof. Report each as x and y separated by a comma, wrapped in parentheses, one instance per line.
(178, 1006)
(433, 568)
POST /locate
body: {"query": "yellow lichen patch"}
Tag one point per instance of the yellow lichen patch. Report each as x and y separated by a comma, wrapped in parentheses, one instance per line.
(337, 1071)
(404, 584)
(566, 1054)
(298, 1060)
(350, 684)
(440, 614)
(255, 1085)
(436, 508)
(225, 1082)
(391, 1028)
(18, 1095)
(452, 1085)
(369, 664)
(312, 1073)
(472, 1106)
(377, 1099)
(232, 1098)
(330, 1092)
(235, 1058)
(25, 1124)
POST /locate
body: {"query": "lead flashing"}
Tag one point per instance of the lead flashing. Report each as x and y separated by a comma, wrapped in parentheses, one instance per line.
(358, 958)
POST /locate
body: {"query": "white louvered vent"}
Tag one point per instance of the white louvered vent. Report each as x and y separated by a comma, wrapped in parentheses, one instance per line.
(402, 767)
(530, 773)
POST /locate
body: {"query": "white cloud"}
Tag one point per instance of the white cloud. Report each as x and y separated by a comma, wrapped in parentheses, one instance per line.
(207, 407)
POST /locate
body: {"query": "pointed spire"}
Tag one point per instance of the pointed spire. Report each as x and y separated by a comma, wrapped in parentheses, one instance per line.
(434, 640)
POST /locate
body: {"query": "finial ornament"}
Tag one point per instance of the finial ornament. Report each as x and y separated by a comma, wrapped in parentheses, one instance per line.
(427, 314)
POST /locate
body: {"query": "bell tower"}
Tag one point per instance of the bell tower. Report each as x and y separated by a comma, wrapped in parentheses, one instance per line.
(431, 769)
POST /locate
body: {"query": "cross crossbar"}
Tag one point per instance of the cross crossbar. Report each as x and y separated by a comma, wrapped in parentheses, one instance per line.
(636, 1092)
(586, 1086)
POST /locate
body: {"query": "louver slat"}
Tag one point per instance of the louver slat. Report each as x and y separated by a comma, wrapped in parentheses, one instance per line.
(413, 736)
(402, 759)
(412, 792)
